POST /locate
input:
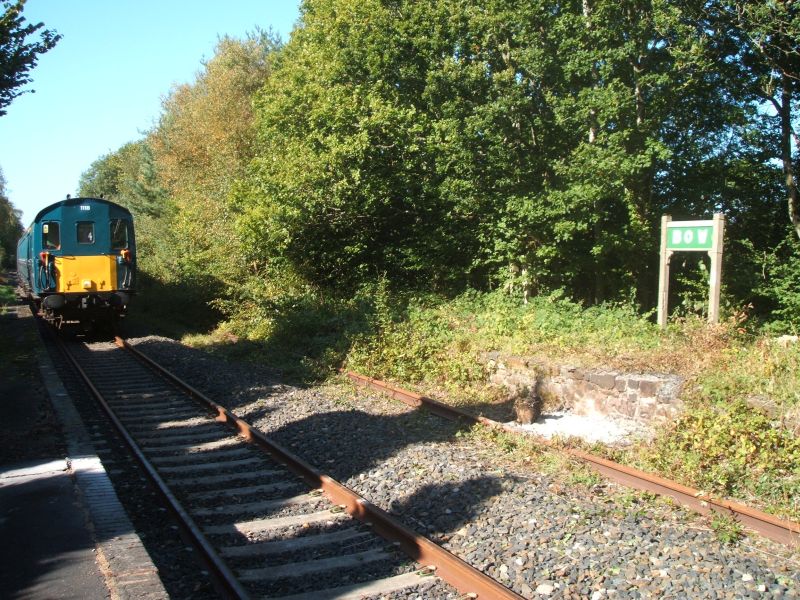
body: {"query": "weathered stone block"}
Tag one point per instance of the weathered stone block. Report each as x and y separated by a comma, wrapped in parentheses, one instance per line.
(648, 387)
(647, 408)
(617, 405)
(585, 405)
(606, 381)
(630, 410)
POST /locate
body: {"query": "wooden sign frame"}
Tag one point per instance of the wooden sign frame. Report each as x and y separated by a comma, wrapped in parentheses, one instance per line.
(689, 236)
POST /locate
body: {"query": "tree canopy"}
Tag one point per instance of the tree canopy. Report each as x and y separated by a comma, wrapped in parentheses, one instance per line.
(447, 142)
(442, 145)
(18, 53)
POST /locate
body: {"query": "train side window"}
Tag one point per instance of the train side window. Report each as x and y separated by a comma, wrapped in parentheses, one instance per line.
(119, 234)
(86, 233)
(51, 235)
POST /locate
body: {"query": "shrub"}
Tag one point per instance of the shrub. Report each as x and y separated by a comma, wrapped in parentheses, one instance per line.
(731, 449)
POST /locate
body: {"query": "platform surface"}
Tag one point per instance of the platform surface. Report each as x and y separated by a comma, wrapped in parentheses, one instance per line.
(63, 531)
(47, 550)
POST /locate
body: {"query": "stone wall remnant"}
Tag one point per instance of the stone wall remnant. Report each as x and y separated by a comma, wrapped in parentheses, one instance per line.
(642, 397)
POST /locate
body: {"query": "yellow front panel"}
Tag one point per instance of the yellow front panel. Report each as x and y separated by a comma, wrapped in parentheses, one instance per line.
(76, 274)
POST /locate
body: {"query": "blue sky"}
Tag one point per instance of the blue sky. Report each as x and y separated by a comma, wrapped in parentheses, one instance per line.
(103, 84)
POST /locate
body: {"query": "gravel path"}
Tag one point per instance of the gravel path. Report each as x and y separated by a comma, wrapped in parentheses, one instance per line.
(539, 535)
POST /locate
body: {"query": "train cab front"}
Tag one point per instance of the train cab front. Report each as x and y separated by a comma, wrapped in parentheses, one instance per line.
(91, 281)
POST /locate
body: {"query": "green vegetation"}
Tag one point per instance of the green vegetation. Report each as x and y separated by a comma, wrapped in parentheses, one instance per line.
(737, 438)
(10, 228)
(18, 54)
(403, 186)
(728, 529)
(445, 146)
(7, 296)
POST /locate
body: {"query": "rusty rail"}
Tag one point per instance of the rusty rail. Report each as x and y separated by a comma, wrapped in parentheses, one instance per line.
(465, 578)
(228, 583)
(779, 530)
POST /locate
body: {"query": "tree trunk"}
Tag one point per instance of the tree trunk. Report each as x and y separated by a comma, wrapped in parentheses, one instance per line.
(597, 231)
(785, 112)
(593, 125)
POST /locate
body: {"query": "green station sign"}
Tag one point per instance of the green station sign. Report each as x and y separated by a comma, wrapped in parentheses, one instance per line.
(694, 236)
(697, 236)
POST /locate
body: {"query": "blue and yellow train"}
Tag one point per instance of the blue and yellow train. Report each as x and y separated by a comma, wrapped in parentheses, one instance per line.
(77, 262)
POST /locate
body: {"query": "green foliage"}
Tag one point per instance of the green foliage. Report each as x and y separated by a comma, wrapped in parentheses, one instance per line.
(440, 144)
(127, 177)
(781, 286)
(585, 476)
(727, 529)
(765, 370)
(733, 449)
(306, 336)
(724, 444)
(201, 146)
(446, 145)
(526, 151)
(168, 308)
(18, 55)
(761, 51)
(177, 181)
(10, 228)
(439, 341)
(690, 284)
(7, 295)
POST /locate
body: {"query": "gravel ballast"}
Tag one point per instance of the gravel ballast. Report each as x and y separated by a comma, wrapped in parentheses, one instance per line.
(537, 534)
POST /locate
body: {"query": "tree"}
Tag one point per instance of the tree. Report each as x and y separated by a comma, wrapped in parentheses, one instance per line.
(202, 144)
(762, 60)
(445, 144)
(10, 226)
(440, 142)
(127, 177)
(18, 55)
(771, 32)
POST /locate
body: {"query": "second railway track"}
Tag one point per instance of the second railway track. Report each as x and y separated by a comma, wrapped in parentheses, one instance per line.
(268, 525)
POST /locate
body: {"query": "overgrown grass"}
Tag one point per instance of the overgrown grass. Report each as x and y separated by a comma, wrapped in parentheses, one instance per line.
(738, 436)
(437, 342)
(7, 294)
(306, 339)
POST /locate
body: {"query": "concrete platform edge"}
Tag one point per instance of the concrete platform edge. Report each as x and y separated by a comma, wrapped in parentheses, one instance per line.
(122, 558)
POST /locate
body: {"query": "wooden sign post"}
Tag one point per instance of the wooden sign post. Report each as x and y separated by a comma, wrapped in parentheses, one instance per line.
(691, 236)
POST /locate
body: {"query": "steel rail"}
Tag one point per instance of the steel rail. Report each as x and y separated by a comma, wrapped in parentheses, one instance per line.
(221, 573)
(461, 575)
(774, 528)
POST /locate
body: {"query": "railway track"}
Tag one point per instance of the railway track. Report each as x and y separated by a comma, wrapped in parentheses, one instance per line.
(265, 523)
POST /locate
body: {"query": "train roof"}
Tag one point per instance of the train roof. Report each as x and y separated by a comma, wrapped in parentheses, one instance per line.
(75, 202)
